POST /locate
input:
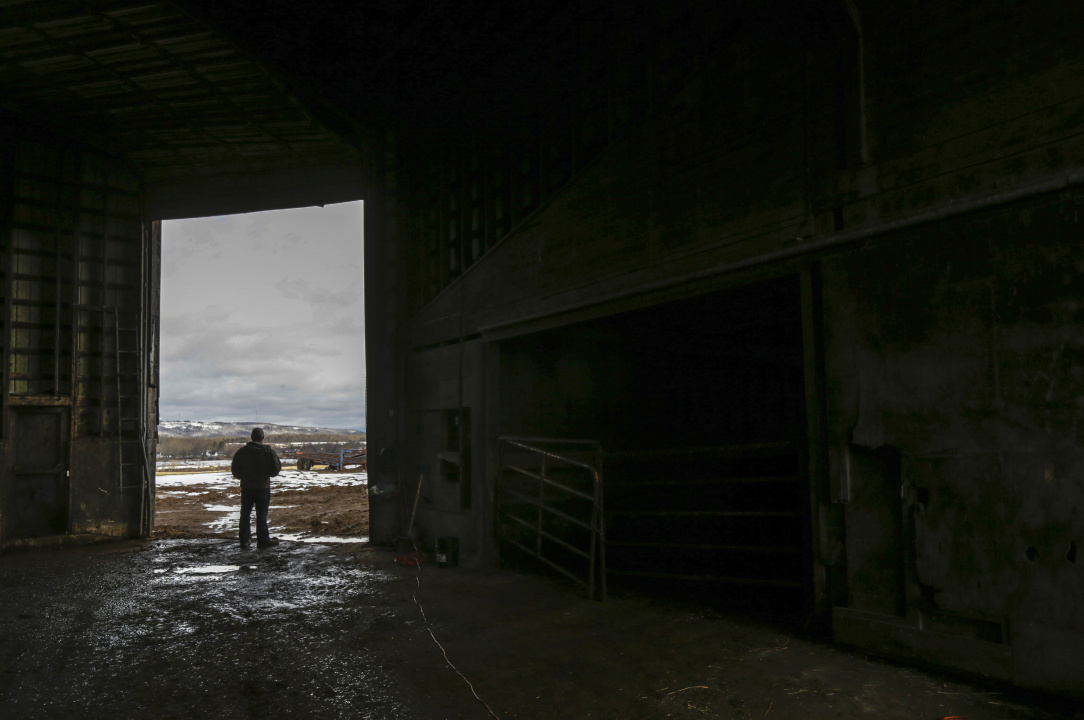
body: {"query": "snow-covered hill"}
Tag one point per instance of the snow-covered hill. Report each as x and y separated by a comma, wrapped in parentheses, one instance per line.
(199, 428)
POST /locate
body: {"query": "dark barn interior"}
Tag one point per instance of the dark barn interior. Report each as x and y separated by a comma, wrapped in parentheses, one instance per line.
(699, 407)
(801, 279)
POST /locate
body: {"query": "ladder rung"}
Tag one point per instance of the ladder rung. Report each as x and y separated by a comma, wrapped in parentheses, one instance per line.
(617, 483)
(781, 549)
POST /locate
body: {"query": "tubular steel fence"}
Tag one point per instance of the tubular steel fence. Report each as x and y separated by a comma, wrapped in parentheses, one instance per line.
(549, 506)
(732, 515)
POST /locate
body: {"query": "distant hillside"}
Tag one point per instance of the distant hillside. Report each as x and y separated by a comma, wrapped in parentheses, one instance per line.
(199, 428)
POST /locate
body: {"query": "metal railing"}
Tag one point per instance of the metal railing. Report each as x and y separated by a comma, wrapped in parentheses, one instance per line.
(546, 511)
(678, 508)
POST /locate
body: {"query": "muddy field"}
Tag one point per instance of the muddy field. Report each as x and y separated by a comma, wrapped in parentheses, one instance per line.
(304, 505)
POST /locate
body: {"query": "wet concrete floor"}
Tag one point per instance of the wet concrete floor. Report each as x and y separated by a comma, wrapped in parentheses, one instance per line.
(202, 629)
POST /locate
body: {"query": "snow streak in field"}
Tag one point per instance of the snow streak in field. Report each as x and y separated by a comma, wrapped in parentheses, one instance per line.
(288, 480)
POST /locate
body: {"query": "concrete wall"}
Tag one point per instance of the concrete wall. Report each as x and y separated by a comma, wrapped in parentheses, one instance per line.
(955, 349)
(450, 381)
(745, 160)
(715, 174)
(951, 134)
(79, 262)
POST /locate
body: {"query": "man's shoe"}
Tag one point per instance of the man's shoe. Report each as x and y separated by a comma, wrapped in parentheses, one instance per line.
(267, 543)
(245, 544)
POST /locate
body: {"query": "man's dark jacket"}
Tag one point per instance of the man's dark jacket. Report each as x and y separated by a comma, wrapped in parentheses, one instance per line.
(255, 464)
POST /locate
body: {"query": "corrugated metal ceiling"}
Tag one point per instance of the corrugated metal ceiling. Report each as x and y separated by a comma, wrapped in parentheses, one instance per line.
(146, 81)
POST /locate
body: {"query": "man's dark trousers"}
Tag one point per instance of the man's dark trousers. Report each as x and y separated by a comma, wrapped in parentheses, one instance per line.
(261, 498)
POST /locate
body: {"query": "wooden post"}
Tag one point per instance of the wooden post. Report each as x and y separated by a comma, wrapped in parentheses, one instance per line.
(816, 451)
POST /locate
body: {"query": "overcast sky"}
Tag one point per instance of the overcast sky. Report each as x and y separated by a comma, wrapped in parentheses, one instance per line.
(262, 318)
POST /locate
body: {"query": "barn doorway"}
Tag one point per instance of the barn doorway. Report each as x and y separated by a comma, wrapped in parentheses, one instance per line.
(262, 324)
(699, 405)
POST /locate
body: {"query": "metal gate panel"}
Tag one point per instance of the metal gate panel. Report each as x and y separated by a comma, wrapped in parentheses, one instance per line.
(549, 506)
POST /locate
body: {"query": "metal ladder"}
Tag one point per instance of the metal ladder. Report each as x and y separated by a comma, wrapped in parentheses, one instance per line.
(130, 430)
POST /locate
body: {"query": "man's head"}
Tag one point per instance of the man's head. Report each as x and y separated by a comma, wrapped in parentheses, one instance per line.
(257, 434)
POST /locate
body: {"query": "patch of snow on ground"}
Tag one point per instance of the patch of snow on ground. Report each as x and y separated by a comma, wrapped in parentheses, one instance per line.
(320, 538)
(171, 466)
(287, 480)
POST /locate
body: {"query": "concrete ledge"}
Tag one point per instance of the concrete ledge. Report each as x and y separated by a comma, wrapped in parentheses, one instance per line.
(897, 637)
(1048, 658)
(56, 541)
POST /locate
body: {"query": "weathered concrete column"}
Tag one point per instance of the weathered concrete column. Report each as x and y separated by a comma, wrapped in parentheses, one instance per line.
(384, 354)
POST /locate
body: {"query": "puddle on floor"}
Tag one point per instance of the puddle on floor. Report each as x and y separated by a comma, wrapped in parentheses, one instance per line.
(320, 538)
(227, 521)
(207, 569)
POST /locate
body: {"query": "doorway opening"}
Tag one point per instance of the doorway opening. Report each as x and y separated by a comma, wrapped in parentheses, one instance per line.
(262, 325)
(699, 406)
(36, 495)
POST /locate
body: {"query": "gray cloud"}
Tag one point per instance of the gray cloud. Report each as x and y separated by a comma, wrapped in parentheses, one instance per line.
(296, 289)
(260, 223)
(257, 319)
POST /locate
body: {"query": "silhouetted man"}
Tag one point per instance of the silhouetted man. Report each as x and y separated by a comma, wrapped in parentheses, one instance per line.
(255, 464)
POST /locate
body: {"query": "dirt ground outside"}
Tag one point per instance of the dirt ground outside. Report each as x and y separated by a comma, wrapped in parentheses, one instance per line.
(304, 505)
(196, 627)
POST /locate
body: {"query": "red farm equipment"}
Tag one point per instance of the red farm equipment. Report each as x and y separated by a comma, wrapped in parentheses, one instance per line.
(339, 461)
